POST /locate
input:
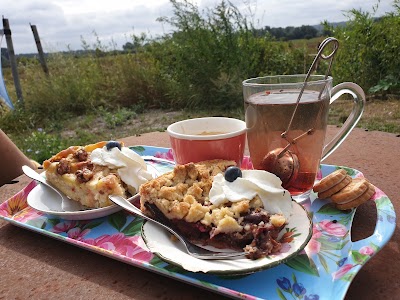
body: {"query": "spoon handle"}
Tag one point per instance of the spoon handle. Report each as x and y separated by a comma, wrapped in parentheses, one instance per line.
(158, 159)
(31, 173)
(67, 204)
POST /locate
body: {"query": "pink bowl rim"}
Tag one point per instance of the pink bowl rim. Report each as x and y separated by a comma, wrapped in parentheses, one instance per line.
(182, 136)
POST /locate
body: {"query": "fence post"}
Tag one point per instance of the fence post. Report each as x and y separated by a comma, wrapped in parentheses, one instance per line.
(13, 62)
(40, 49)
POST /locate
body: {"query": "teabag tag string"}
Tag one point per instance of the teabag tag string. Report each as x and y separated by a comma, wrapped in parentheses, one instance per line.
(281, 161)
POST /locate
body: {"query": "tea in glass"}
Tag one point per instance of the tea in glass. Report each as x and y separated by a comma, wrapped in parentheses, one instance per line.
(267, 117)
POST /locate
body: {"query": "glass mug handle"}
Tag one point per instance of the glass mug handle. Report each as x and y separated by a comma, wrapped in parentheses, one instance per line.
(358, 96)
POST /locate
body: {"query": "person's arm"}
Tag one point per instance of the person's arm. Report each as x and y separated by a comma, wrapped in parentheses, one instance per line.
(11, 159)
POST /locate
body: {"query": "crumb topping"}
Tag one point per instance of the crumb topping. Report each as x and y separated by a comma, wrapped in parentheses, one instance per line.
(183, 194)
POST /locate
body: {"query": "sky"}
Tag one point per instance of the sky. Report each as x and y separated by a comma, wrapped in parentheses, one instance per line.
(63, 24)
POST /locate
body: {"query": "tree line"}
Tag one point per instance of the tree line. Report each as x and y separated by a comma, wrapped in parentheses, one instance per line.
(290, 32)
(279, 33)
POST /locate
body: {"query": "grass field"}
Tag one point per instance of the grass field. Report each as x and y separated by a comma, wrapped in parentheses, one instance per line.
(380, 115)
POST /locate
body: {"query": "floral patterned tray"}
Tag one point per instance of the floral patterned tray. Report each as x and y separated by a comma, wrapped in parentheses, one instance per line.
(330, 260)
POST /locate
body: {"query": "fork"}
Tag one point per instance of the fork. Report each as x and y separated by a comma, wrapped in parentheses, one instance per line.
(192, 249)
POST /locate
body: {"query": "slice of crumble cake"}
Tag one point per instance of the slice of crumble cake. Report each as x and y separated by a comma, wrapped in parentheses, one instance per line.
(89, 174)
(215, 203)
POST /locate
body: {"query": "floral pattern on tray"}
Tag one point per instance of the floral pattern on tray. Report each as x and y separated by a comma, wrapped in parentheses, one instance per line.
(330, 260)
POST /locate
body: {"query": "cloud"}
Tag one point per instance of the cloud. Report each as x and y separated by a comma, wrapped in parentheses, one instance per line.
(59, 30)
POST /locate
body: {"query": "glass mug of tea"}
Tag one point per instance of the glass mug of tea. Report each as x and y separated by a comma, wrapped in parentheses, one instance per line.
(286, 130)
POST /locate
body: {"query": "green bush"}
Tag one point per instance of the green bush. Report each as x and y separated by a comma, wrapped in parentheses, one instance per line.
(211, 52)
(369, 50)
(40, 146)
(79, 84)
(137, 81)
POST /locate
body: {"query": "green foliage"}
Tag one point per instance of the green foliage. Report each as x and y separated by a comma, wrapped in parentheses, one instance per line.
(202, 55)
(117, 117)
(17, 120)
(368, 54)
(40, 145)
(388, 83)
(211, 52)
(290, 32)
(136, 81)
(72, 88)
(79, 84)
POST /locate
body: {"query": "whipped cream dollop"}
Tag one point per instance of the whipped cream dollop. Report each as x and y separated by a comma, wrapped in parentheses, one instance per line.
(130, 166)
(267, 186)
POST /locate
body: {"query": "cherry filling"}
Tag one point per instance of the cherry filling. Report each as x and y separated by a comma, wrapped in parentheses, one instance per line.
(259, 237)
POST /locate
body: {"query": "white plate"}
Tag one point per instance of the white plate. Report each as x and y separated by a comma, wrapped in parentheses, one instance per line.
(159, 242)
(47, 201)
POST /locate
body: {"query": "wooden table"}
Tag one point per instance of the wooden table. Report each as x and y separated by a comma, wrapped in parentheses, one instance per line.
(35, 266)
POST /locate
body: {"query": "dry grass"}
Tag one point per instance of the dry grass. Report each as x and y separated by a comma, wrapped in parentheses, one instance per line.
(380, 115)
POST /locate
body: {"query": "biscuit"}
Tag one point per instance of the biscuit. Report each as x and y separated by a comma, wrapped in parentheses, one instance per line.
(354, 189)
(330, 180)
(359, 200)
(336, 188)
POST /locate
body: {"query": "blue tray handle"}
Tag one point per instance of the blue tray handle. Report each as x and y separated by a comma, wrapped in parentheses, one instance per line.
(385, 224)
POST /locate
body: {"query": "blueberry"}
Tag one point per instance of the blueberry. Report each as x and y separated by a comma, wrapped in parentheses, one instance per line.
(113, 144)
(232, 173)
